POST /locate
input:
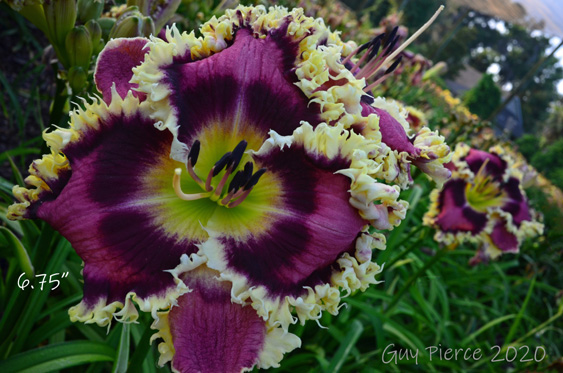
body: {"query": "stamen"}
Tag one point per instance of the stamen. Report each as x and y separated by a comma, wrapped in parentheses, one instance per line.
(208, 186)
(225, 161)
(415, 35)
(227, 198)
(361, 48)
(221, 185)
(254, 179)
(240, 199)
(391, 36)
(377, 60)
(237, 154)
(192, 173)
(393, 66)
(386, 74)
(390, 47)
(180, 193)
(194, 152)
(240, 186)
(241, 195)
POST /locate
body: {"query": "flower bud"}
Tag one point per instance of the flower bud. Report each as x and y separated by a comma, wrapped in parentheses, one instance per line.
(60, 16)
(79, 47)
(160, 11)
(77, 78)
(106, 24)
(89, 9)
(128, 25)
(95, 31)
(147, 27)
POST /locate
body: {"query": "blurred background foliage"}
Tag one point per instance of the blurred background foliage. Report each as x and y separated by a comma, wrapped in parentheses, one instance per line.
(429, 295)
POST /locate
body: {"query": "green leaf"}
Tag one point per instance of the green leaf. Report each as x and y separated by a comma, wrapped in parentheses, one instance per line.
(57, 356)
(514, 326)
(122, 359)
(346, 346)
(20, 251)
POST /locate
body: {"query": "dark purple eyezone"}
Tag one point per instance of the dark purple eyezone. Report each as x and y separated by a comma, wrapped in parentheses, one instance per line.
(239, 188)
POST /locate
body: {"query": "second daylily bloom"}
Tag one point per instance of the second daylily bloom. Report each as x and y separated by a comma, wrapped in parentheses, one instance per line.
(227, 181)
(483, 203)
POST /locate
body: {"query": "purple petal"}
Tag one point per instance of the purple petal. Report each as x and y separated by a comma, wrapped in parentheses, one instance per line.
(206, 332)
(211, 334)
(516, 205)
(495, 167)
(392, 132)
(115, 66)
(248, 84)
(504, 240)
(455, 214)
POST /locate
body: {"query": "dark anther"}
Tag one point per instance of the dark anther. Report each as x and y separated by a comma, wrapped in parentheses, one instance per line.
(237, 154)
(254, 179)
(391, 46)
(241, 177)
(247, 172)
(373, 51)
(221, 163)
(363, 47)
(391, 36)
(393, 66)
(378, 38)
(367, 98)
(194, 152)
(235, 182)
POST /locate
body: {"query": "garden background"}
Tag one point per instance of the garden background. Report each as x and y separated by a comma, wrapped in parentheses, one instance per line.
(429, 295)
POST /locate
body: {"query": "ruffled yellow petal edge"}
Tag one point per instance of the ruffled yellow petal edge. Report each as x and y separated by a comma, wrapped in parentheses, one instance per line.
(103, 313)
(51, 166)
(356, 272)
(277, 342)
(341, 106)
(304, 30)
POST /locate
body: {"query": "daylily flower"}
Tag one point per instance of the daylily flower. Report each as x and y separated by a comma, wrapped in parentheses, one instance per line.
(483, 203)
(224, 184)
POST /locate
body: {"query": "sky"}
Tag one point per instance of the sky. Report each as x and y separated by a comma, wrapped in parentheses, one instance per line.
(551, 11)
(558, 54)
